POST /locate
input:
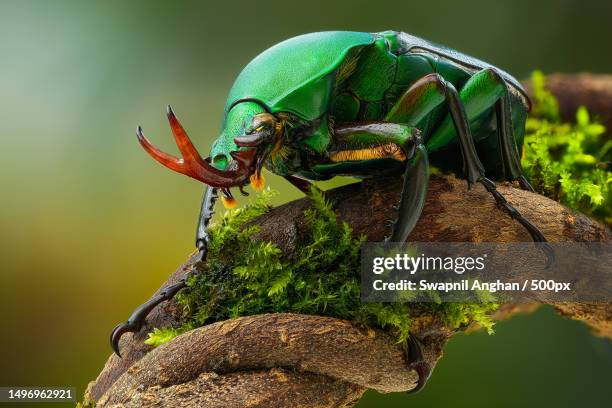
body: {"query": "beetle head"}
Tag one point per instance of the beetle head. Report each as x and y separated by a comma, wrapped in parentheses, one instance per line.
(248, 126)
(262, 131)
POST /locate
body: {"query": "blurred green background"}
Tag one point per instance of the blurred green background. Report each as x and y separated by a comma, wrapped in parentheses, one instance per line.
(90, 225)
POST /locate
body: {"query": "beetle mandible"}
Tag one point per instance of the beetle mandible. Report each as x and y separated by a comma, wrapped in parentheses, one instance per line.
(364, 105)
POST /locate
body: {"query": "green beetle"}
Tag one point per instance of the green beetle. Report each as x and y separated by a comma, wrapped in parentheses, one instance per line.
(364, 105)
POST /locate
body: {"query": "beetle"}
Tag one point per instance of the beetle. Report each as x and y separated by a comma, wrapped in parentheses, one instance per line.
(363, 105)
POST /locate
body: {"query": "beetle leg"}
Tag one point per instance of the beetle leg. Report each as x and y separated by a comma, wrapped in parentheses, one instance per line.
(474, 169)
(137, 319)
(525, 185)
(354, 142)
(506, 140)
(412, 198)
(512, 169)
(206, 213)
(481, 92)
(417, 363)
(535, 233)
(302, 184)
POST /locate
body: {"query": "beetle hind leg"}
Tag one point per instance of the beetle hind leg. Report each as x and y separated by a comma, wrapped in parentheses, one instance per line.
(534, 232)
(472, 166)
(525, 185)
(506, 141)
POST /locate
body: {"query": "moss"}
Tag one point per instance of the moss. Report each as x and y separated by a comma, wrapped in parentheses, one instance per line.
(247, 277)
(568, 162)
(545, 105)
(162, 335)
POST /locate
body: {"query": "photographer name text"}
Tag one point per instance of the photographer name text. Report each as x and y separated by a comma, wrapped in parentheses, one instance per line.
(472, 285)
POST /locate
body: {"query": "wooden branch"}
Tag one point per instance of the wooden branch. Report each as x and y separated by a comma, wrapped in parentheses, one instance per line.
(286, 360)
(275, 387)
(345, 359)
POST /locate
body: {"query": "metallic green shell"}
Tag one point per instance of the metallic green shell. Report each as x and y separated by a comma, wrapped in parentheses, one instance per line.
(293, 76)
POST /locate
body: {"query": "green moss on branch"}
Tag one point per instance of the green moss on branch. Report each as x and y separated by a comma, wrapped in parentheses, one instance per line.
(244, 277)
(568, 162)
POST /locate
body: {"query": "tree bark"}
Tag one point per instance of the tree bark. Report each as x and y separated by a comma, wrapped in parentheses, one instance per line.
(287, 360)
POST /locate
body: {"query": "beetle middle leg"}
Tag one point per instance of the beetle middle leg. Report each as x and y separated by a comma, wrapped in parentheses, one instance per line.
(361, 144)
(373, 141)
(301, 184)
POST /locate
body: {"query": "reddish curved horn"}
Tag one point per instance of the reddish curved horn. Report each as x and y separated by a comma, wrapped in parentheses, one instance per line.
(193, 165)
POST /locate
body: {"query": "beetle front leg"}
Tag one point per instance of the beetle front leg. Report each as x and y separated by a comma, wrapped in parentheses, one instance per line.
(138, 317)
(206, 213)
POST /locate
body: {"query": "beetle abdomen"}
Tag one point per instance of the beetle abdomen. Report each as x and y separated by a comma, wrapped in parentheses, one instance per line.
(382, 71)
